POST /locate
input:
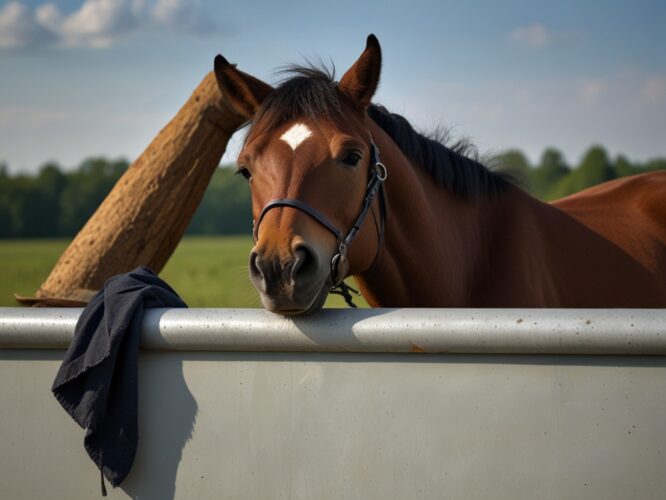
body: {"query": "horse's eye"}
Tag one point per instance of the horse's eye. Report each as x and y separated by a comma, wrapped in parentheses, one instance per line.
(352, 159)
(244, 172)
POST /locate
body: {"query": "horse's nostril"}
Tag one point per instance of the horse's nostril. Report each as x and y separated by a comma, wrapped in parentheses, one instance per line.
(306, 262)
(256, 273)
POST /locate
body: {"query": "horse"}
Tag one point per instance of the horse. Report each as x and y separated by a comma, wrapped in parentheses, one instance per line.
(341, 187)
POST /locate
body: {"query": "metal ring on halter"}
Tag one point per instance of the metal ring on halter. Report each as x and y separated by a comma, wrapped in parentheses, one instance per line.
(339, 269)
(380, 170)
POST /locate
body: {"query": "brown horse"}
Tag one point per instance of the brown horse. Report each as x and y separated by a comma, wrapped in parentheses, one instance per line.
(441, 229)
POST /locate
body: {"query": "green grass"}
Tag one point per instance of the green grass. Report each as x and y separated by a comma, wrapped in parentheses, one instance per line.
(206, 272)
(24, 265)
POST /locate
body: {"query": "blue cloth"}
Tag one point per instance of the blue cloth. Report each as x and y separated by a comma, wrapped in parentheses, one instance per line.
(97, 383)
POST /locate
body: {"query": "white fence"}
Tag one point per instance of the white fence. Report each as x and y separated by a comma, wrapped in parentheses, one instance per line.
(420, 403)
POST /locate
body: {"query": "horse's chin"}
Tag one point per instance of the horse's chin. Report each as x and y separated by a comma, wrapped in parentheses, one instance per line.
(319, 301)
(287, 307)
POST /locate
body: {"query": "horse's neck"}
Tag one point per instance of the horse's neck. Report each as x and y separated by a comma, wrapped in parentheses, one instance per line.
(508, 250)
(431, 244)
(444, 251)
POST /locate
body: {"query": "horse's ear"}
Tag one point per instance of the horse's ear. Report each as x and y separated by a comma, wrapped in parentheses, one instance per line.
(361, 80)
(244, 92)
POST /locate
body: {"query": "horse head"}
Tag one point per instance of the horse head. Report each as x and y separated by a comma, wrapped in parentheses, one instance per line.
(314, 173)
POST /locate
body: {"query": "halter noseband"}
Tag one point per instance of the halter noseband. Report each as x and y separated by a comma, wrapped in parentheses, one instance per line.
(339, 262)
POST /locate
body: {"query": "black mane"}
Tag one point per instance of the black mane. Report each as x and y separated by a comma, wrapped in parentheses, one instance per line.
(309, 91)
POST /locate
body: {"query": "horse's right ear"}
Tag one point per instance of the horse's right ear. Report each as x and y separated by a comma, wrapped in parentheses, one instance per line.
(360, 82)
(245, 93)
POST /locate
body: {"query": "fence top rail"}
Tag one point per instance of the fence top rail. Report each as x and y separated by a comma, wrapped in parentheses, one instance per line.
(491, 331)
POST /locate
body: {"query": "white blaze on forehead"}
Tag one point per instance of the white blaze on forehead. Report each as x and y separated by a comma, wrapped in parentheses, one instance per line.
(296, 135)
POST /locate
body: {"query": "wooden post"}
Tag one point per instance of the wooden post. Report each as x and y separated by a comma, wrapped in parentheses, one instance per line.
(145, 215)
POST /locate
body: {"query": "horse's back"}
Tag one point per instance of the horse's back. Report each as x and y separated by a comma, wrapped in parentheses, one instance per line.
(630, 212)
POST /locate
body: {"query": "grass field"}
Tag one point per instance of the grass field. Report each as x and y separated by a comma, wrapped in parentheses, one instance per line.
(206, 272)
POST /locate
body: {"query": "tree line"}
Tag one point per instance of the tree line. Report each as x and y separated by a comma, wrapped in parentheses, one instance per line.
(552, 178)
(57, 203)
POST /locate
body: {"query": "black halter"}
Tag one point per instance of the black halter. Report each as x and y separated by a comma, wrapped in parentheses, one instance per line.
(339, 262)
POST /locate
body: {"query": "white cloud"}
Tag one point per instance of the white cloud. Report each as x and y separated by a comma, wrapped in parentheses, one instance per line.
(534, 36)
(181, 16)
(49, 16)
(20, 28)
(97, 23)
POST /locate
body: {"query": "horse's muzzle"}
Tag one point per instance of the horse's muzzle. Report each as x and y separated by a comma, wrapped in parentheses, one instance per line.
(291, 284)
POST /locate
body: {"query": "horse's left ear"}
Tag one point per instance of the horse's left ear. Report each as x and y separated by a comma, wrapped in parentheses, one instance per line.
(361, 80)
(244, 92)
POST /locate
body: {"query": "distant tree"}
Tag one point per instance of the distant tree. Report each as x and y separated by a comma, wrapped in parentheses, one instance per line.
(594, 169)
(551, 170)
(85, 190)
(41, 213)
(226, 206)
(5, 202)
(16, 201)
(623, 167)
(7, 197)
(514, 162)
(655, 164)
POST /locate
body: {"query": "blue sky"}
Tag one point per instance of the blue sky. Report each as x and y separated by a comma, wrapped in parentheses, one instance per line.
(101, 77)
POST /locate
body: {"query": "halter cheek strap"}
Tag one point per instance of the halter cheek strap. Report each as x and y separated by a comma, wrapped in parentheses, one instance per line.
(339, 262)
